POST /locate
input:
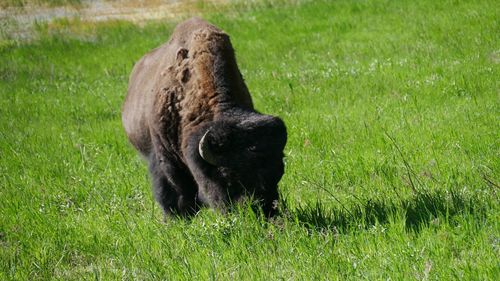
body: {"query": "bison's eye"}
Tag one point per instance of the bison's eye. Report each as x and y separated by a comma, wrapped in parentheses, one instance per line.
(252, 148)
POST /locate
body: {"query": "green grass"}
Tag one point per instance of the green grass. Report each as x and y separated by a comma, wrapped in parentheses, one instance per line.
(392, 163)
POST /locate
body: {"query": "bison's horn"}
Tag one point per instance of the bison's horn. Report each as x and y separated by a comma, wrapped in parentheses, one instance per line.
(204, 150)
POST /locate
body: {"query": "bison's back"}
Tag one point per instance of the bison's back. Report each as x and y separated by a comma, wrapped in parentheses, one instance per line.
(139, 100)
(144, 82)
(152, 74)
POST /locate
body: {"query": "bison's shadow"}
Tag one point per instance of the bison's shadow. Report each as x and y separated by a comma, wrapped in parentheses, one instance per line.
(421, 209)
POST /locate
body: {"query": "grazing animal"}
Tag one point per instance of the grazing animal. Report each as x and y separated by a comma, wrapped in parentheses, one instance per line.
(189, 113)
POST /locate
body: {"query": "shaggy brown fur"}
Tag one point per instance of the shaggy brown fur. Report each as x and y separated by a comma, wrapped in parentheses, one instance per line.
(178, 92)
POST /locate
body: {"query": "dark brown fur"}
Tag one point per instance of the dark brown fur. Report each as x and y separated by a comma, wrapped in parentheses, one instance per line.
(176, 93)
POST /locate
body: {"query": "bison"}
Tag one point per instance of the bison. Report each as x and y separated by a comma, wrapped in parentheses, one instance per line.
(189, 113)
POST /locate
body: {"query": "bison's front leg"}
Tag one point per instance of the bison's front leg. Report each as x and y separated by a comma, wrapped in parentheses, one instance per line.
(211, 191)
(173, 189)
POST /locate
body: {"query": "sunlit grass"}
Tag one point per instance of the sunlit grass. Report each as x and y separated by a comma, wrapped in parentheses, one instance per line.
(392, 167)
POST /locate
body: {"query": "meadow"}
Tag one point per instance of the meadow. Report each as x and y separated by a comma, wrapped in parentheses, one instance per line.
(392, 160)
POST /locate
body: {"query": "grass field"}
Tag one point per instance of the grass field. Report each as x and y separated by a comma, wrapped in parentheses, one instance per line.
(392, 163)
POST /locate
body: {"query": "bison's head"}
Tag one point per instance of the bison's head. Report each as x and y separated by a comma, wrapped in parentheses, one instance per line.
(245, 157)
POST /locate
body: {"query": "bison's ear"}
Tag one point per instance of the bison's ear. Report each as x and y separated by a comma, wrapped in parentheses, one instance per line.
(182, 54)
(204, 149)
